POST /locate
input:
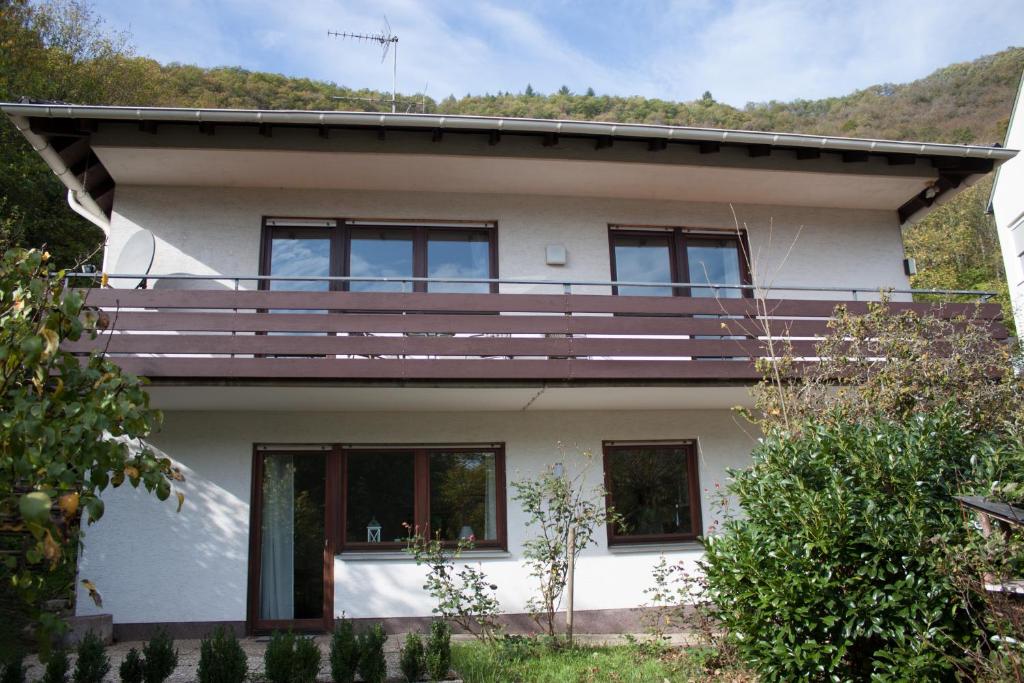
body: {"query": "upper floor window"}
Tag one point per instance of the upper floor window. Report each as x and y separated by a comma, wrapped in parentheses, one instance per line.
(664, 255)
(379, 249)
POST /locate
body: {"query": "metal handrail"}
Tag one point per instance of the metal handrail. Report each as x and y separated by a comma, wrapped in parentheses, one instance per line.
(566, 285)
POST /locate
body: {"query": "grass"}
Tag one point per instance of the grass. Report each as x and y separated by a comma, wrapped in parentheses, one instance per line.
(478, 663)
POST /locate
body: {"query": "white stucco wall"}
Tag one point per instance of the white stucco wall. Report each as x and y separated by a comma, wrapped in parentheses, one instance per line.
(153, 565)
(1008, 207)
(217, 230)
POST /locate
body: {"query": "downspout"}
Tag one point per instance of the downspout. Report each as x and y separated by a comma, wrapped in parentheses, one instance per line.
(78, 197)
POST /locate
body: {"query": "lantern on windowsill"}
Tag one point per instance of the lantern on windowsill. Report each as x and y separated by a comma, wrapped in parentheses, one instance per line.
(373, 531)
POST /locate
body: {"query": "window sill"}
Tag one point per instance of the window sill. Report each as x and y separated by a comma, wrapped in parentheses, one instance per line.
(402, 556)
(652, 548)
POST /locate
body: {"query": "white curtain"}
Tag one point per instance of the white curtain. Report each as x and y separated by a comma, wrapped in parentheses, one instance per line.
(277, 561)
(490, 500)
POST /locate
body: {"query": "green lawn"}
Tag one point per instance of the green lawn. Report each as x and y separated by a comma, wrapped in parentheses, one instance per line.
(478, 663)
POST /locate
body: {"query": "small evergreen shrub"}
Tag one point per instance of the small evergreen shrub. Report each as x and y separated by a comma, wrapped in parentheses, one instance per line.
(344, 653)
(92, 664)
(14, 670)
(159, 658)
(222, 659)
(413, 661)
(131, 669)
(372, 665)
(57, 667)
(277, 659)
(291, 659)
(305, 661)
(439, 650)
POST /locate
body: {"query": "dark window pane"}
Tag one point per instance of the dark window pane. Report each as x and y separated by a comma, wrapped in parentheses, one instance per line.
(380, 492)
(463, 495)
(304, 253)
(650, 488)
(380, 252)
(714, 261)
(292, 536)
(643, 259)
(458, 253)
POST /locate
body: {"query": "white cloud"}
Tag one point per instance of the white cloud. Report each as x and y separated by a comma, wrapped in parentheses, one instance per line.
(741, 50)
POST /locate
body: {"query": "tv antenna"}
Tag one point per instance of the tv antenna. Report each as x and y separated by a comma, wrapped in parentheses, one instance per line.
(386, 39)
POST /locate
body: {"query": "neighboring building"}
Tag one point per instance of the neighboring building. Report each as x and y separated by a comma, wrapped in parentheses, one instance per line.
(1008, 207)
(523, 248)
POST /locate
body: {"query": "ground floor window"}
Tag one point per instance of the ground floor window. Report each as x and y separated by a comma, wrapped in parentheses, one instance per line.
(654, 487)
(450, 493)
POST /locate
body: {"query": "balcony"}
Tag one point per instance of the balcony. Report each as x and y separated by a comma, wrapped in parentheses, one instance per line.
(192, 331)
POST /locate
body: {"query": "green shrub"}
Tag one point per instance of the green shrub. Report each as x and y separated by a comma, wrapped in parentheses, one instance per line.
(344, 653)
(14, 670)
(834, 567)
(277, 659)
(372, 665)
(159, 657)
(439, 650)
(413, 659)
(131, 669)
(305, 661)
(57, 667)
(291, 659)
(222, 659)
(92, 664)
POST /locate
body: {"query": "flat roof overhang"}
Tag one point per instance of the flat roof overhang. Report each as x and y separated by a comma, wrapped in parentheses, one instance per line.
(93, 149)
(532, 397)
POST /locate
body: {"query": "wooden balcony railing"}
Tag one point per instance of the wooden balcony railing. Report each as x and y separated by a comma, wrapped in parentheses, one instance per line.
(335, 335)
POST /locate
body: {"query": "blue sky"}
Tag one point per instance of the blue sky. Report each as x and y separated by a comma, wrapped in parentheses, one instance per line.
(739, 50)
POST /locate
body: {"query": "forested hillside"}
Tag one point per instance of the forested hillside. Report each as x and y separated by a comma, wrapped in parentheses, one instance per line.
(61, 51)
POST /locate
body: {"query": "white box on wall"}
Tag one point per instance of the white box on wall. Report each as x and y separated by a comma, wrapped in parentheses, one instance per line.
(555, 255)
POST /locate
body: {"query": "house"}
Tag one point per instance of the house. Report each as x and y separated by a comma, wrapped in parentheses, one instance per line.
(356, 321)
(1008, 207)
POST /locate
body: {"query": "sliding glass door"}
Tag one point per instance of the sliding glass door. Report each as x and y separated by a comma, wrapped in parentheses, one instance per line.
(291, 567)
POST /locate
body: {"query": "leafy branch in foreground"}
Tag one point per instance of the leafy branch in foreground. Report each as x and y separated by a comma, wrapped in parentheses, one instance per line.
(70, 428)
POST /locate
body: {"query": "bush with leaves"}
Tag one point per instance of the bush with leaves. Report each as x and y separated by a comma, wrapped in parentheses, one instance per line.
(305, 660)
(160, 658)
(69, 429)
(554, 502)
(222, 659)
(412, 660)
(57, 667)
(291, 659)
(372, 665)
(132, 668)
(14, 670)
(834, 566)
(92, 663)
(277, 658)
(837, 564)
(344, 655)
(464, 596)
(439, 650)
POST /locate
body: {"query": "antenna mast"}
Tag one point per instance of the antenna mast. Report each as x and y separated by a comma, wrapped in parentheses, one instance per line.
(386, 39)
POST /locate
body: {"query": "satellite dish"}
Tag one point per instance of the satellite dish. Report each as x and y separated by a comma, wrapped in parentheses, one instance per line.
(136, 258)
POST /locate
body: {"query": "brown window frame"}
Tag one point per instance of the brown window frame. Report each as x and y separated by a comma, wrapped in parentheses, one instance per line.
(340, 237)
(677, 250)
(693, 480)
(421, 495)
